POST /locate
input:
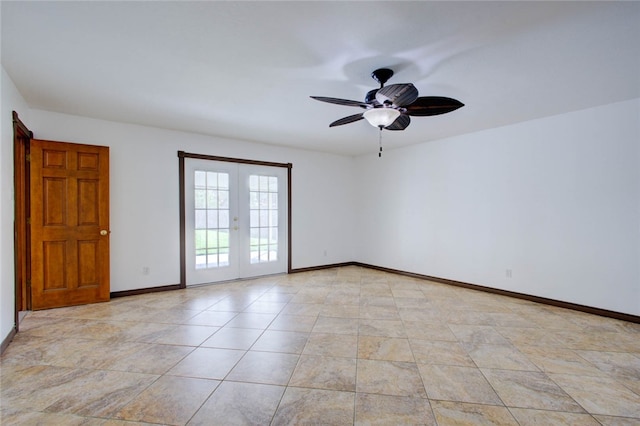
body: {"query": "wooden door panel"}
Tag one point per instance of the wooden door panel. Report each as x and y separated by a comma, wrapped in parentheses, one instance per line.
(54, 201)
(88, 261)
(88, 161)
(54, 257)
(54, 159)
(69, 209)
(88, 202)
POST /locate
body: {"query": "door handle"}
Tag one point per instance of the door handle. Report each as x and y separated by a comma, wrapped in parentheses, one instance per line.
(104, 232)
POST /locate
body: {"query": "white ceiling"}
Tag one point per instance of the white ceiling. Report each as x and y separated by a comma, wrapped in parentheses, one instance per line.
(245, 70)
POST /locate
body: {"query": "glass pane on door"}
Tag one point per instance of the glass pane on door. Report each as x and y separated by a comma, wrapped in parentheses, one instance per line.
(211, 209)
(263, 218)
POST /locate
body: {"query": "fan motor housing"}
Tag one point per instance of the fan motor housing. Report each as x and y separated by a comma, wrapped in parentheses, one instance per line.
(371, 96)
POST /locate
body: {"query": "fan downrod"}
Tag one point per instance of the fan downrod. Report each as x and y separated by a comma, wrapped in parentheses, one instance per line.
(381, 75)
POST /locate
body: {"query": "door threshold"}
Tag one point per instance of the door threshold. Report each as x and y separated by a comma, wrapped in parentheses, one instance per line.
(235, 280)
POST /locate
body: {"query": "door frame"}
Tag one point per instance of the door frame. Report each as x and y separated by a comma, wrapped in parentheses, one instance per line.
(183, 208)
(21, 137)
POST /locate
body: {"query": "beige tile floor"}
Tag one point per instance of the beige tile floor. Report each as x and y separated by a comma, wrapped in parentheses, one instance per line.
(338, 346)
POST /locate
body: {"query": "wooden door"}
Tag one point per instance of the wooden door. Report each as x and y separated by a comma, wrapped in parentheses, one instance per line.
(69, 208)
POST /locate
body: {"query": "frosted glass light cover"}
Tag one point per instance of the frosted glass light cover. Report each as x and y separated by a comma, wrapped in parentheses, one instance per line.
(381, 116)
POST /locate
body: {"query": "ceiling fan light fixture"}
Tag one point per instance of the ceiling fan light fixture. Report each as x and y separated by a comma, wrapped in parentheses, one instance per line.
(381, 117)
(390, 107)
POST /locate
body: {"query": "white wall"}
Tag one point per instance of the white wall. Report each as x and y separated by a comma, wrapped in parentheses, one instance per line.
(555, 200)
(11, 101)
(144, 194)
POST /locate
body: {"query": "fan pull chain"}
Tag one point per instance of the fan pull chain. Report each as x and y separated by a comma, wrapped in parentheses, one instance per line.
(380, 141)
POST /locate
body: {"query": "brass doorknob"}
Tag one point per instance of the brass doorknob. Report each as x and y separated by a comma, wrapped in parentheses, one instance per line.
(104, 232)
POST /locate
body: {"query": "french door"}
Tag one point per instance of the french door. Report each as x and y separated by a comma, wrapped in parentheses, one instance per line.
(235, 220)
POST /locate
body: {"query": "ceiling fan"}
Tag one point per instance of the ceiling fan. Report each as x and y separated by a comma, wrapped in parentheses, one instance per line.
(390, 107)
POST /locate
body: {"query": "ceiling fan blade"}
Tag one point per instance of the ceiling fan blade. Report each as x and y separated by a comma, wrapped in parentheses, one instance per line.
(432, 105)
(346, 102)
(401, 123)
(397, 94)
(347, 120)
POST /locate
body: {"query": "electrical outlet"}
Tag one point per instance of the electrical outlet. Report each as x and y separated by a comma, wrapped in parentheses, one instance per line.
(508, 273)
(145, 270)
